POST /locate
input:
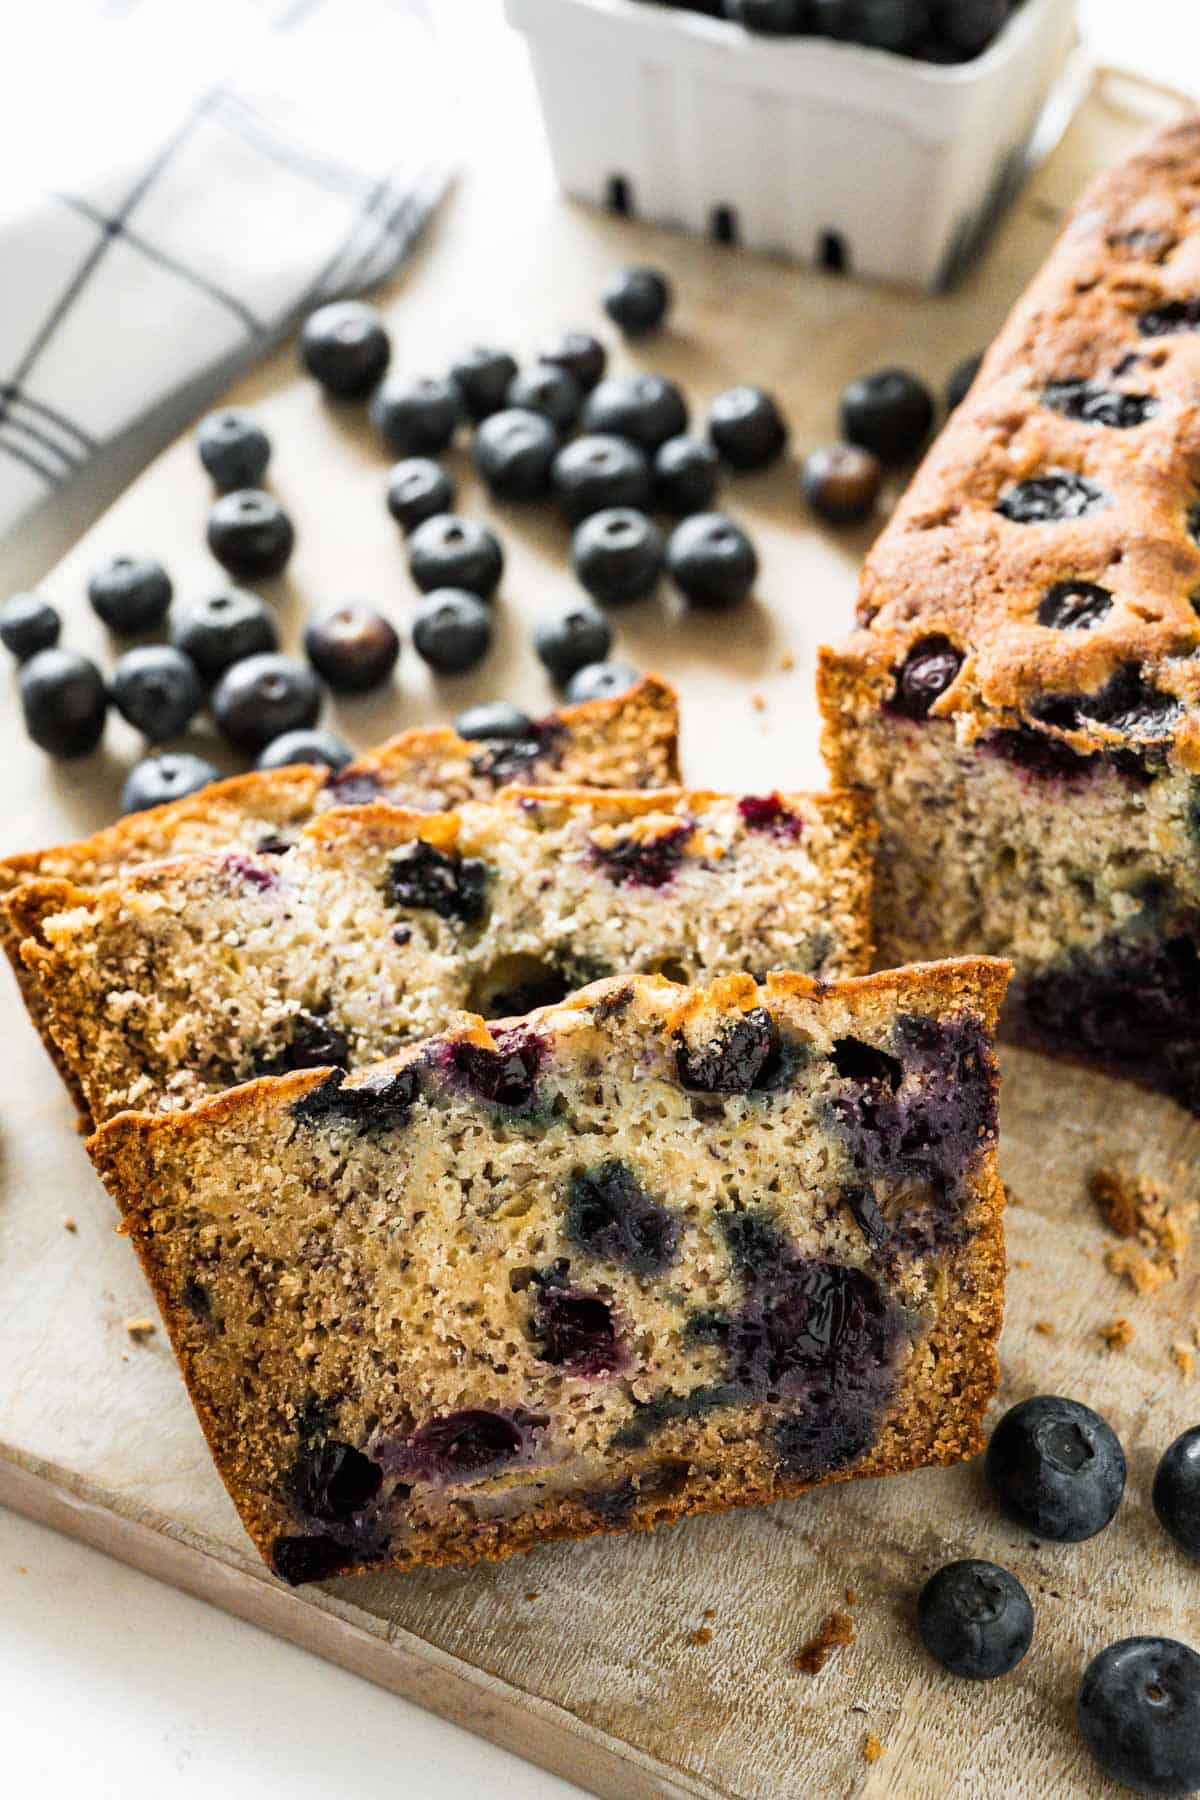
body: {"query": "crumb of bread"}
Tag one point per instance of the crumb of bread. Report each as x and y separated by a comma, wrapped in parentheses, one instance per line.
(1117, 1333)
(69, 1224)
(759, 702)
(534, 1594)
(1137, 1207)
(701, 1635)
(1046, 1327)
(1184, 1358)
(140, 1328)
(710, 1612)
(873, 1749)
(837, 1629)
(851, 1596)
(1143, 1275)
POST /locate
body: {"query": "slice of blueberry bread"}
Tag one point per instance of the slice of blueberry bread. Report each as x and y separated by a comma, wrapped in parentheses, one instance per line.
(181, 979)
(628, 741)
(1022, 698)
(652, 1252)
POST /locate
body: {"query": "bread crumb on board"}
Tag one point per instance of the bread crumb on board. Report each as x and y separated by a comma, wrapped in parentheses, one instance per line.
(140, 1328)
(1117, 1333)
(701, 1635)
(1184, 1358)
(873, 1749)
(1045, 1327)
(69, 1224)
(1157, 1231)
(836, 1630)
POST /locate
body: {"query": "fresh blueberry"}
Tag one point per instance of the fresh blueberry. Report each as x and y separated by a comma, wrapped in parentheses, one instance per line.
(747, 427)
(888, 413)
(617, 555)
(1176, 1491)
(778, 18)
(601, 681)
(1050, 499)
(433, 880)
(581, 355)
(452, 630)
(890, 25)
(131, 594)
(831, 18)
(482, 375)
(570, 639)
(64, 700)
(325, 748)
(234, 449)
(841, 483)
(649, 409)
(610, 1215)
(28, 624)
(250, 534)
(1057, 1468)
(263, 696)
(969, 26)
(514, 451)
(1074, 606)
(961, 377)
(975, 1619)
(711, 560)
(687, 473)
(449, 551)
(157, 689)
(170, 776)
(354, 648)
(222, 629)
(637, 300)
(417, 418)
(346, 347)
(549, 390)
(495, 719)
(598, 471)
(927, 671)
(1139, 1714)
(418, 489)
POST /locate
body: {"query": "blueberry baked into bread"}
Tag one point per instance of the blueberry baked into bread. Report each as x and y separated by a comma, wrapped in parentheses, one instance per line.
(651, 1252)
(181, 979)
(1022, 698)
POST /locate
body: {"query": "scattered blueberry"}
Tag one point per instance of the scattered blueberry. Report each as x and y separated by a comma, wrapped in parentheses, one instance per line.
(890, 25)
(968, 26)
(600, 681)
(223, 628)
(831, 18)
(842, 483)
(346, 347)
(1057, 1468)
(1176, 1491)
(452, 630)
(250, 534)
(598, 471)
(961, 377)
(975, 1619)
(927, 671)
(647, 408)
(1139, 1714)
(778, 18)
(28, 624)
(637, 300)
(417, 418)
(513, 451)
(324, 748)
(711, 560)
(263, 696)
(64, 701)
(581, 355)
(170, 776)
(617, 555)
(482, 375)
(234, 449)
(570, 639)
(1074, 606)
(888, 413)
(549, 390)
(610, 1215)
(418, 489)
(495, 719)
(131, 594)
(1051, 498)
(157, 689)
(353, 647)
(687, 473)
(747, 427)
(449, 551)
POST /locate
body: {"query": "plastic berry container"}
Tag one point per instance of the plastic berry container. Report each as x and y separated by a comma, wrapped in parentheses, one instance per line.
(855, 159)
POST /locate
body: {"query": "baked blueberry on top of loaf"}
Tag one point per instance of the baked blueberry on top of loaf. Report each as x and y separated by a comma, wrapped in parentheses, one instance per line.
(379, 925)
(1022, 698)
(652, 1252)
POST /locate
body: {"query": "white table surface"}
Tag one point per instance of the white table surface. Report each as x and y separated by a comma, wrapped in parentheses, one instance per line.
(143, 1691)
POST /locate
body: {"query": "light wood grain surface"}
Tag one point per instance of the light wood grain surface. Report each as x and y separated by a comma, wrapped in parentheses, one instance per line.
(580, 1655)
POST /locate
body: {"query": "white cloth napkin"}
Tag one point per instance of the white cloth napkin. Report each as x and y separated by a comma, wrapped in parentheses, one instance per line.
(179, 181)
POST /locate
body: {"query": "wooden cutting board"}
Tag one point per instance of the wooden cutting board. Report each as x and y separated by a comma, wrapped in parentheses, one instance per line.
(583, 1657)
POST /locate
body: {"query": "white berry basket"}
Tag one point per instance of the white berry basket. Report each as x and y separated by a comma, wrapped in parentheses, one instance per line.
(851, 158)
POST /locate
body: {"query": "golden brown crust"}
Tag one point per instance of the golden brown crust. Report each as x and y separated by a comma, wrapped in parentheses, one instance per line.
(950, 565)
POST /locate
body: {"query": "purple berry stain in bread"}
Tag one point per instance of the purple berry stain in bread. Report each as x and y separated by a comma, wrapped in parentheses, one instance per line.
(250, 873)
(927, 671)
(610, 1215)
(467, 1445)
(354, 787)
(744, 1056)
(651, 862)
(1175, 315)
(1051, 499)
(1074, 606)
(381, 1102)
(1126, 703)
(308, 1558)
(504, 1074)
(769, 813)
(433, 880)
(331, 1480)
(313, 1043)
(1091, 404)
(574, 1330)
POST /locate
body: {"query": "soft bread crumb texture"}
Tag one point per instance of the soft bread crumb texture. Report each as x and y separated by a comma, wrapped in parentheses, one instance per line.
(834, 1631)
(645, 1254)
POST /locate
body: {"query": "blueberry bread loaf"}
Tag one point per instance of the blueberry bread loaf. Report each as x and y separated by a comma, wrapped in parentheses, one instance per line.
(628, 741)
(1022, 698)
(181, 979)
(652, 1252)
